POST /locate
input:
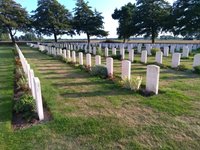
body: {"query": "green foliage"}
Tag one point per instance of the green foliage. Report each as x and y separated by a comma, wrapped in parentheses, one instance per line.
(99, 52)
(13, 17)
(99, 70)
(19, 73)
(197, 69)
(23, 84)
(152, 17)
(44, 51)
(118, 57)
(52, 18)
(4, 36)
(28, 37)
(88, 21)
(26, 106)
(81, 50)
(154, 50)
(186, 18)
(133, 83)
(181, 68)
(126, 17)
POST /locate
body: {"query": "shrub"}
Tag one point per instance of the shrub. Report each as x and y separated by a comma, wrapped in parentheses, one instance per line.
(59, 57)
(154, 50)
(26, 106)
(44, 52)
(81, 50)
(133, 84)
(19, 73)
(118, 57)
(99, 70)
(17, 61)
(197, 69)
(99, 52)
(23, 84)
(181, 68)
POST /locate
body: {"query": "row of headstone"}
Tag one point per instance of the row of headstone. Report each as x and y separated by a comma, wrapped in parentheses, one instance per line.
(152, 79)
(138, 46)
(176, 57)
(33, 82)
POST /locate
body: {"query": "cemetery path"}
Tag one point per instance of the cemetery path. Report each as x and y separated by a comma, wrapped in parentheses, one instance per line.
(95, 113)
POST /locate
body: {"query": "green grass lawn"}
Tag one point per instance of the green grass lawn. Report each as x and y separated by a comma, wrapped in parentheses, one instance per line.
(93, 113)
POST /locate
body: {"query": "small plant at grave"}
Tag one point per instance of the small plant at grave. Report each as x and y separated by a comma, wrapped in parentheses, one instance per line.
(23, 84)
(197, 69)
(100, 71)
(181, 68)
(17, 61)
(118, 57)
(18, 73)
(26, 106)
(99, 52)
(59, 57)
(81, 50)
(133, 83)
(154, 50)
(44, 52)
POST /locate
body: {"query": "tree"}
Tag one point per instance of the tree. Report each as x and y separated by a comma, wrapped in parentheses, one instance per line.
(28, 37)
(186, 14)
(127, 19)
(13, 18)
(51, 18)
(88, 21)
(152, 17)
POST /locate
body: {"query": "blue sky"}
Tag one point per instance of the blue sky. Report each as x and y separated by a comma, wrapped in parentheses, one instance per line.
(107, 7)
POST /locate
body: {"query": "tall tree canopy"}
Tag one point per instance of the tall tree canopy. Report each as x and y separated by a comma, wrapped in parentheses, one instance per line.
(153, 15)
(13, 18)
(187, 17)
(88, 21)
(127, 19)
(52, 18)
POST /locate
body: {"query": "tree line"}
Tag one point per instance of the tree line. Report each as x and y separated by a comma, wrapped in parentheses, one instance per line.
(145, 17)
(51, 18)
(150, 17)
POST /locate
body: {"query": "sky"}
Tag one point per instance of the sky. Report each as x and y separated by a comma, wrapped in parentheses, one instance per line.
(106, 7)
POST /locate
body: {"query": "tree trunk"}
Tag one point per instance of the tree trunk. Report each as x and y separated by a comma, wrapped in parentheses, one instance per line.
(153, 36)
(11, 35)
(124, 40)
(55, 38)
(88, 38)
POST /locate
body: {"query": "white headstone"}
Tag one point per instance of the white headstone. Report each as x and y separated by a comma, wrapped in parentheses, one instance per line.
(68, 55)
(166, 51)
(114, 51)
(94, 50)
(196, 60)
(80, 54)
(131, 55)
(65, 54)
(144, 57)
(106, 52)
(31, 74)
(97, 60)
(176, 57)
(152, 78)
(38, 98)
(185, 52)
(88, 60)
(139, 48)
(159, 57)
(122, 53)
(126, 69)
(73, 56)
(109, 66)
